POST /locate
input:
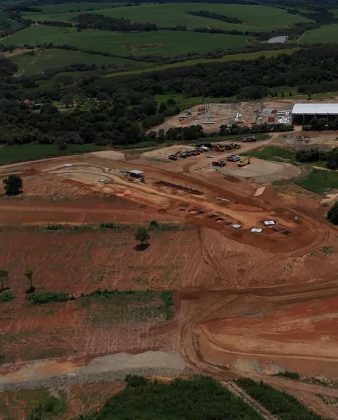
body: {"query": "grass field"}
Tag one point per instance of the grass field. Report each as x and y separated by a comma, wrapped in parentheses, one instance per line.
(66, 11)
(326, 34)
(167, 43)
(274, 153)
(21, 153)
(188, 63)
(319, 181)
(56, 58)
(254, 18)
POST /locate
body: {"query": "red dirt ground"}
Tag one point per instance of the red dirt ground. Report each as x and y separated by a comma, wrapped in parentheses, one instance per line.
(243, 302)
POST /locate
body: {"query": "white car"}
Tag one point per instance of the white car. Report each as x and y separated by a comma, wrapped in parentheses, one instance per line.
(210, 156)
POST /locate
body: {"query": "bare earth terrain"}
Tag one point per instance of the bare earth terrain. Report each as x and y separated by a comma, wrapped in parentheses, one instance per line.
(245, 303)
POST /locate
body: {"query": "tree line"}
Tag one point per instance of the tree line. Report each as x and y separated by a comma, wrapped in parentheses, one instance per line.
(108, 23)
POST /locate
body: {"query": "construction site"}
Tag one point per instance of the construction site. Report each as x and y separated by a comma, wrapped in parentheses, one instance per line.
(242, 259)
(211, 116)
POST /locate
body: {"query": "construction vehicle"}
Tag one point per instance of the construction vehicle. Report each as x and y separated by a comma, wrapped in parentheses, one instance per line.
(244, 162)
(249, 139)
(219, 163)
(172, 157)
(233, 158)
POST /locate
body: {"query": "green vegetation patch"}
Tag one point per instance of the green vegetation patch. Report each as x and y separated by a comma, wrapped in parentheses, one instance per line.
(254, 18)
(24, 152)
(40, 298)
(279, 403)
(194, 399)
(50, 408)
(274, 153)
(326, 34)
(36, 62)
(163, 43)
(319, 181)
(105, 306)
(6, 296)
(290, 375)
(194, 62)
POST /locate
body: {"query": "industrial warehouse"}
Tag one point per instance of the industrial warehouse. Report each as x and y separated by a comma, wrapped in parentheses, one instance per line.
(304, 113)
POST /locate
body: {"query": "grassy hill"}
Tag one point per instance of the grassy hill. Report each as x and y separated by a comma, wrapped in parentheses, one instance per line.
(252, 17)
(168, 43)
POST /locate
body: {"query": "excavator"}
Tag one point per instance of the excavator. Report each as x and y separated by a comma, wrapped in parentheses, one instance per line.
(244, 162)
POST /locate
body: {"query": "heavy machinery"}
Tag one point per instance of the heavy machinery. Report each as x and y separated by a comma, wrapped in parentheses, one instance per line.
(219, 163)
(244, 162)
(233, 158)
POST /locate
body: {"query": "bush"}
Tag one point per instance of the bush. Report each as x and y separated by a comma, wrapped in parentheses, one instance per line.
(39, 298)
(332, 215)
(6, 296)
(168, 304)
(51, 407)
(134, 381)
(288, 374)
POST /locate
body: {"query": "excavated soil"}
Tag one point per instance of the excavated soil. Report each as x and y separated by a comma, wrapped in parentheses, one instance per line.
(245, 303)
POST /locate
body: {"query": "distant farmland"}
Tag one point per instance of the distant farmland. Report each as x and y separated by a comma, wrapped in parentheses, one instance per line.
(327, 34)
(251, 17)
(166, 43)
(55, 58)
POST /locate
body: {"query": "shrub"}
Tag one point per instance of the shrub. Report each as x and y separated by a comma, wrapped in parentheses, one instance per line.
(167, 304)
(288, 374)
(6, 296)
(39, 298)
(134, 381)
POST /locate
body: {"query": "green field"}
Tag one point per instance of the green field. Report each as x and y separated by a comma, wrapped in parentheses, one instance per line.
(56, 58)
(21, 153)
(66, 11)
(319, 181)
(274, 153)
(254, 18)
(326, 34)
(188, 63)
(168, 43)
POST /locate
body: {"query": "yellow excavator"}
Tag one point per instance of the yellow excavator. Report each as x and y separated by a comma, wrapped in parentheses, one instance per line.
(244, 162)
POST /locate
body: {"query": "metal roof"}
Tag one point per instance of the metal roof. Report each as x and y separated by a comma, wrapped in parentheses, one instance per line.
(312, 109)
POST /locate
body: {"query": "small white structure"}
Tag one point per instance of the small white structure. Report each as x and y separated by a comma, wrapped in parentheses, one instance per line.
(256, 230)
(269, 222)
(236, 226)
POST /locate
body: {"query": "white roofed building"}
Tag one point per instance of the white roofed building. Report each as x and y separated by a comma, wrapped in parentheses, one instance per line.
(302, 113)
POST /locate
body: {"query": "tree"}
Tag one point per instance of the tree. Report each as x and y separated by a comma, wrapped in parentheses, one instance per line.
(143, 236)
(332, 215)
(29, 276)
(13, 185)
(3, 278)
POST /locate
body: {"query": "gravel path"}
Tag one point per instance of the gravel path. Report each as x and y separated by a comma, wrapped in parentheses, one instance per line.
(47, 373)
